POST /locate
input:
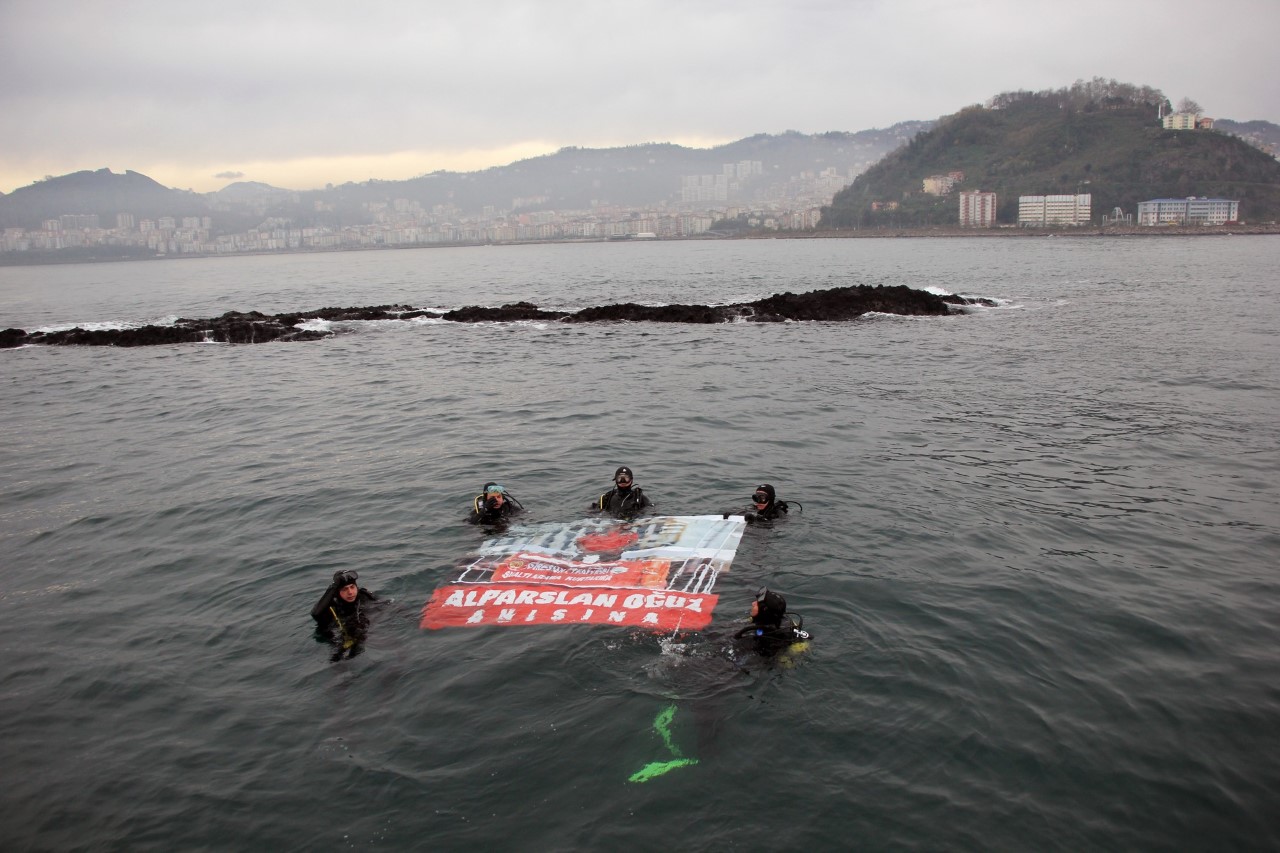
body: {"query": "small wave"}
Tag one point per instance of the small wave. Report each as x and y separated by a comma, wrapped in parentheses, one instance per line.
(977, 301)
(108, 325)
(750, 318)
(316, 324)
(52, 589)
(884, 315)
(978, 304)
(999, 302)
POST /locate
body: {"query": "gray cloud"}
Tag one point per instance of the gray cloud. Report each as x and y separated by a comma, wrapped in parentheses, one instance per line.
(239, 83)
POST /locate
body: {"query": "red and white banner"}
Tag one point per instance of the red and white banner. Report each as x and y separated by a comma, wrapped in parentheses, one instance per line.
(537, 568)
(656, 573)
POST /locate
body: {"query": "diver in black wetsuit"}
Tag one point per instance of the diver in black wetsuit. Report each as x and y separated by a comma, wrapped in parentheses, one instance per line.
(340, 614)
(765, 505)
(625, 499)
(772, 629)
(494, 505)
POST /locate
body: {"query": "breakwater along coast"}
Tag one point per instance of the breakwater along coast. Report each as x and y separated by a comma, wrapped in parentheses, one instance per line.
(835, 304)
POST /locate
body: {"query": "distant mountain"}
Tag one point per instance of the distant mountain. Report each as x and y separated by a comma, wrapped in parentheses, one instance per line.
(249, 191)
(572, 178)
(1102, 139)
(632, 176)
(100, 192)
(249, 199)
(1263, 135)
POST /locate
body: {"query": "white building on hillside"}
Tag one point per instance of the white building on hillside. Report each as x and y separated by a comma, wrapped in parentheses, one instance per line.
(1187, 121)
(1042, 210)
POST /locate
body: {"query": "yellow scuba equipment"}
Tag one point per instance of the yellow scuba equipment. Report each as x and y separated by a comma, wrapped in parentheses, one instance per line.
(347, 640)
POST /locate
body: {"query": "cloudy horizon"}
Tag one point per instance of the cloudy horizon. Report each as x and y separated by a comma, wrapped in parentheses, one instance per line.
(300, 96)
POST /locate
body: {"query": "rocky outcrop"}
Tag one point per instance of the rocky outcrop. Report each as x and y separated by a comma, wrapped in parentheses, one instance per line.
(849, 303)
(230, 328)
(509, 313)
(836, 304)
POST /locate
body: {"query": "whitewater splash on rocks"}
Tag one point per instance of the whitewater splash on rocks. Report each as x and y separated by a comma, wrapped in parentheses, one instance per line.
(836, 304)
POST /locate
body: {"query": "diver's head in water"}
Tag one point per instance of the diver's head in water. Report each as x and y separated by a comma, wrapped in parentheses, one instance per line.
(763, 497)
(345, 581)
(623, 478)
(768, 608)
(494, 496)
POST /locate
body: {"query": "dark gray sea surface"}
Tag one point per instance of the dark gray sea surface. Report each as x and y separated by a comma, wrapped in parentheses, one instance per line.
(1037, 550)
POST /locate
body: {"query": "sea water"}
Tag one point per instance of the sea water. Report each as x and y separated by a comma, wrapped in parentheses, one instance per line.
(1037, 550)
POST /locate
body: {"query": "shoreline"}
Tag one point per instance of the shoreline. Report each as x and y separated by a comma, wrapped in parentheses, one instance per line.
(10, 259)
(1085, 231)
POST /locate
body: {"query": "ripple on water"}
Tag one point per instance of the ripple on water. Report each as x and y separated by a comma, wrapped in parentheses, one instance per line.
(1035, 551)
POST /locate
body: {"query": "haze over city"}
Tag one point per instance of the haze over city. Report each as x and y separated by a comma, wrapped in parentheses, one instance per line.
(299, 95)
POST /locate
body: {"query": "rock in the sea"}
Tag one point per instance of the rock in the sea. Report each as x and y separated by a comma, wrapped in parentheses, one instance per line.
(849, 303)
(510, 313)
(253, 327)
(649, 313)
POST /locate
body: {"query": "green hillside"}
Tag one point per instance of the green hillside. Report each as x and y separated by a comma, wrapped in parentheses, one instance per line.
(1102, 138)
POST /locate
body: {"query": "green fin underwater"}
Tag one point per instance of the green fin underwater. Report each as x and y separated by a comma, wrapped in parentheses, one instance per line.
(654, 769)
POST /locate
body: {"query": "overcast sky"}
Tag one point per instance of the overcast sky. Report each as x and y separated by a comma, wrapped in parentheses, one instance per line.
(197, 95)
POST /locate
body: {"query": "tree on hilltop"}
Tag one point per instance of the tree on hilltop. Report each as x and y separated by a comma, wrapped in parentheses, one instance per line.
(1098, 93)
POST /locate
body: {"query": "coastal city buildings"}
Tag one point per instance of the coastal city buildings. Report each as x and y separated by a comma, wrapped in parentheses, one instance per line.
(1043, 210)
(1188, 211)
(720, 187)
(742, 194)
(405, 223)
(977, 210)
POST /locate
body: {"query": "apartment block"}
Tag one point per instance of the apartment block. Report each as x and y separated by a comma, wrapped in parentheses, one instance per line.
(1044, 210)
(977, 210)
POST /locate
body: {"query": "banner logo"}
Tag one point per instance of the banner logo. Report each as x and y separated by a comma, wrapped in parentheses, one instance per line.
(657, 573)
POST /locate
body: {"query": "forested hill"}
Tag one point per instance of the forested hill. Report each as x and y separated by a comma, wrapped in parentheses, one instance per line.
(1105, 140)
